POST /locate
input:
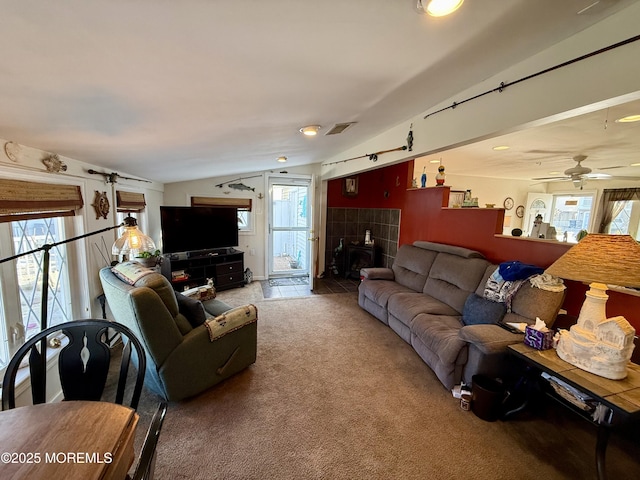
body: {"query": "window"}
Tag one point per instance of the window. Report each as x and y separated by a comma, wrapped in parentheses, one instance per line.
(33, 214)
(570, 214)
(245, 221)
(26, 274)
(245, 218)
(627, 218)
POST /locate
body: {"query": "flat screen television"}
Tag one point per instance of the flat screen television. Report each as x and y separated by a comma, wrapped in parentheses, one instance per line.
(185, 229)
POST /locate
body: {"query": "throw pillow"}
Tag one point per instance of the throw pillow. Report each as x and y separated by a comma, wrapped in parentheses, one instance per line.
(130, 272)
(192, 309)
(478, 310)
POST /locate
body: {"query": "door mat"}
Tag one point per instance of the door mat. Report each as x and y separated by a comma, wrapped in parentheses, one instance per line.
(289, 281)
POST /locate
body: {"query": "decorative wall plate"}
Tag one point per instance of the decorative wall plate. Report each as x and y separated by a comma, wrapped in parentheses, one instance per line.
(520, 211)
(12, 150)
(101, 204)
(508, 203)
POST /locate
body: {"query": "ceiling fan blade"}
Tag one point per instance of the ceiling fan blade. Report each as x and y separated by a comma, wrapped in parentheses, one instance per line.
(611, 168)
(624, 178)
(552, 178)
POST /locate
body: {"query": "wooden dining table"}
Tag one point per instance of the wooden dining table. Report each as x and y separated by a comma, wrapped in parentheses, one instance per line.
(67, 440)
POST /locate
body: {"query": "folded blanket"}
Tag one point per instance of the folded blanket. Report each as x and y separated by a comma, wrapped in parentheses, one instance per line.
(231, 320)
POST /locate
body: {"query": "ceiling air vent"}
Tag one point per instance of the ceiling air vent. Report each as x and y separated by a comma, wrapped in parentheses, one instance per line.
(339, 128)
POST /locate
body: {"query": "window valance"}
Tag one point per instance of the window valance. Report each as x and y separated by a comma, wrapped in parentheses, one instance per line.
(242, 204)
(22, 200)
(130, 201)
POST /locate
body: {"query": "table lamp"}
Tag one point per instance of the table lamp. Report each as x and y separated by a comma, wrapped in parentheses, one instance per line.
(598, 344)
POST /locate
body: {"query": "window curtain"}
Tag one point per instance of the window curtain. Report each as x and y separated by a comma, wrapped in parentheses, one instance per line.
(130, 201)
(242, 204)
(22, 200)
(610, 209)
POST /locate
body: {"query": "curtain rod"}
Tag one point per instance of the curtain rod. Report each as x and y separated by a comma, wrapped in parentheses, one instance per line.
(504, 85)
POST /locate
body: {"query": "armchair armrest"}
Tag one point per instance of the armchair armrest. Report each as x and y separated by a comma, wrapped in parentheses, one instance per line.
(231, 320)
(488, 338)
(377, 273)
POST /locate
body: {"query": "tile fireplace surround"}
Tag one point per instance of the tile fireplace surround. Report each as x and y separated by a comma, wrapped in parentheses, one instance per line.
(351, 225)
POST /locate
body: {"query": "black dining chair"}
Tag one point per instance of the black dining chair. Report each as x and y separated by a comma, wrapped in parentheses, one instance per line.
(83, 363)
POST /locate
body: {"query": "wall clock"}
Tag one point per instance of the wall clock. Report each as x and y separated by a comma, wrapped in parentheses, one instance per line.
(101, 205)
(508, 203)
(520, 211)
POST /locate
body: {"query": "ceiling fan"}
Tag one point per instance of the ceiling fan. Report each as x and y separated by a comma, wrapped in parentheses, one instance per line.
(580, 174)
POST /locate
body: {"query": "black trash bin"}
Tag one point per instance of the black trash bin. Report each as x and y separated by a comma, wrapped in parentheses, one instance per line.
(487, 395)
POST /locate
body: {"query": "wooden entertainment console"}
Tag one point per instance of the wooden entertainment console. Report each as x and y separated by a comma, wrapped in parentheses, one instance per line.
(225, 266)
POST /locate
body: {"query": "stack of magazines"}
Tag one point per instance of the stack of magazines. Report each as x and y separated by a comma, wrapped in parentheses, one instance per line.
(569, 393)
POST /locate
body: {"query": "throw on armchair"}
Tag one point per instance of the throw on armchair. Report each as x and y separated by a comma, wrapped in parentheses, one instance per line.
(183, 357)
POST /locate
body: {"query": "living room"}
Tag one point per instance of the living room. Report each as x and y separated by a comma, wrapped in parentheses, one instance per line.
(604, 80)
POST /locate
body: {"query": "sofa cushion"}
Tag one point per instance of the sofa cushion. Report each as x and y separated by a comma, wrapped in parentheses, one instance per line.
(478, 310)
(406, 306)
(192, 309)
(379, 291)
(411, 266)
(453, 278)
(532, 302)
(452, 249)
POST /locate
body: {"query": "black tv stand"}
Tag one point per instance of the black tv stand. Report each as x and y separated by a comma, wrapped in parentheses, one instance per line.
(224, 265)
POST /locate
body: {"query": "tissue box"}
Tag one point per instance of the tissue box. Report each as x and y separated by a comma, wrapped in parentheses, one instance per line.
(537, 339)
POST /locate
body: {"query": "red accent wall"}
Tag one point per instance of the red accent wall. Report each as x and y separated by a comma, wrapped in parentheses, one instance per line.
(381, 188)
(424, 216)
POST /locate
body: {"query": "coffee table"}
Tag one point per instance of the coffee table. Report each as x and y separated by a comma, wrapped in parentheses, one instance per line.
(611, 402)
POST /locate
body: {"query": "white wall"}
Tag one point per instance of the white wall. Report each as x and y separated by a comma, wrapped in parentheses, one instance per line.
(562, 93)
(253, 244)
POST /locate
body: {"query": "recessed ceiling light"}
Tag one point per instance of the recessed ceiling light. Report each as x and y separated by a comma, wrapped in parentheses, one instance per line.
(497, 148)
(434, 161)
(635, 165)
(554, 173)
(629, 119)
(310, 130)
(438, 8)
(282, 159)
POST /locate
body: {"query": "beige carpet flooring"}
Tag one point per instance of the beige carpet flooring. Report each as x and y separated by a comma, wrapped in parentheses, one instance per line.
(335, 394)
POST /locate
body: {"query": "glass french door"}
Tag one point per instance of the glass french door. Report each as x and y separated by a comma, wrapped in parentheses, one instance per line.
(289, 230)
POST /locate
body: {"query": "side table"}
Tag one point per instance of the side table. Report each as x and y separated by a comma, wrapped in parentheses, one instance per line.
(608, 403)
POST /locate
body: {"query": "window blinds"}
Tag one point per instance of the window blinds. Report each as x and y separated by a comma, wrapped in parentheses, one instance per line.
(242, 204)
(22, 200)
(130, 201)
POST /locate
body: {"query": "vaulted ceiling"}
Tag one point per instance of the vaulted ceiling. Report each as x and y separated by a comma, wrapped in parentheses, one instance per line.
(175, 91)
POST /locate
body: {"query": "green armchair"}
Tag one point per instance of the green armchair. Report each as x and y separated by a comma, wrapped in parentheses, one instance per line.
(182, 358)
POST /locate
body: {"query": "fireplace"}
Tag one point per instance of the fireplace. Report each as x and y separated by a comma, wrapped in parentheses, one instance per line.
(360, 256)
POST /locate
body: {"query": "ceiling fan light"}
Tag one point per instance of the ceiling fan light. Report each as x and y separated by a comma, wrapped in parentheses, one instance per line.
(439, 8)
(310, 130)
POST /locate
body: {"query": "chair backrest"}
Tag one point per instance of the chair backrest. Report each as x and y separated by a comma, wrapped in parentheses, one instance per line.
(83, 363)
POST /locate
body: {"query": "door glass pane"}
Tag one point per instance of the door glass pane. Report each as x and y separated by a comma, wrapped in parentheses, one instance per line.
(290, 229)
